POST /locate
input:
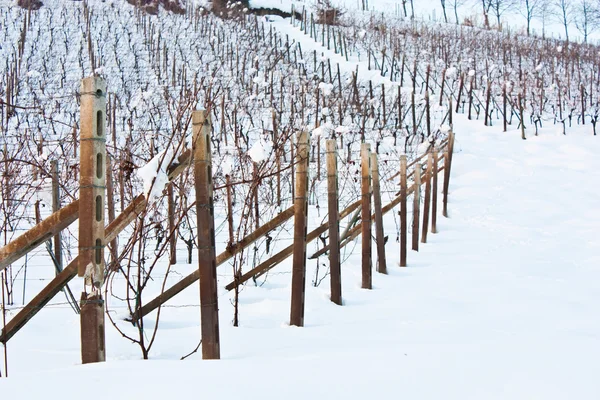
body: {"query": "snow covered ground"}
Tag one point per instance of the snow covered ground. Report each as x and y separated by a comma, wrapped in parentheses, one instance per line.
(501, 303)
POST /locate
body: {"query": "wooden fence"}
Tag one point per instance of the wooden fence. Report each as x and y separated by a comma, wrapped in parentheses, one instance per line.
(94, 234)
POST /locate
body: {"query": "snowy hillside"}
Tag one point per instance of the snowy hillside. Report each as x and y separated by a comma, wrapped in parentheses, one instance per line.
(500, 303)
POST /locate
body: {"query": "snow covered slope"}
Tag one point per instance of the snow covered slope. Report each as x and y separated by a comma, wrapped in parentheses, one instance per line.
(500, 304)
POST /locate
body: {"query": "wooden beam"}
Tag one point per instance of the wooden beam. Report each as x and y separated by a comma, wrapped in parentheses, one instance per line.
(135, 208)
(37, 235)
(221, 258)
(285, 253)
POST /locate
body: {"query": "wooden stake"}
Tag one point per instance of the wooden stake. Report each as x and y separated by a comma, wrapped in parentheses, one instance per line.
(379, 233)
(416, 207)
(114, 250)
(434, 190)
(55, 208)
(427, 198)
(403, 222)
(365, 153)
(504, 103)
(91, 216)
(487, 119)
(334, 223)
(172, 227)
(300, 226)
(447, 167)
(207, 267)
(520, 98)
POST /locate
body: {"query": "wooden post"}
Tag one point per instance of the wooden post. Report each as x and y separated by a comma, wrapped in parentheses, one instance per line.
(207, 266)
(365, 153)
(447, 167)
(416, 207)
(582, 104)
(379, 238)
(427, 198)
(460, 89)
(442, 89)
(91, 217)
(55, 208)
(172, 227)
(434, 190)
(114, 250)
(471, 82)
(300, 227)
(334, 224)
(504, 101)
(520, 98)
(403, 222)
(488, 120)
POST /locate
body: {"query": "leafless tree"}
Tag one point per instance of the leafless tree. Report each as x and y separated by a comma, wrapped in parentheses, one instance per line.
(455, 4)
(443, 3)
(499, 7)
(531, 9)
(586, 17)
(564, 13)
(486, 5)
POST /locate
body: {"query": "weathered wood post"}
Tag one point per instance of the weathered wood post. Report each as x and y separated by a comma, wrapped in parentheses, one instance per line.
(114, 247)
(55, 207)
(365, 152)
(504, 104)
(207, 266)
(416, 207)
(488, 118)
(434, 192)
(92, 189)
(403, 221)
(521, 116)
(447, 168)
(427, 201)
(334, 224)
(379, 234)
(300, 227)
(172, 227)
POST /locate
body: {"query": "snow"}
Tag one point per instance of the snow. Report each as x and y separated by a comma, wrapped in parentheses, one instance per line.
(260, 150)
(501, 303)
(154, 174)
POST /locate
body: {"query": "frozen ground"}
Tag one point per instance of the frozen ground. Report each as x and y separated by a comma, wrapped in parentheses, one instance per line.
(502, 303)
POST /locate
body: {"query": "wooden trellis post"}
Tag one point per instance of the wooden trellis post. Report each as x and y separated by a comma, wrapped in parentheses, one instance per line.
(91, 217)
(172, 227)
(434, 194)
(403, 221)
(365, 152)
(379, 234)
(416, 207)
(207, 266)
(300, 227)
(334, 223)
(55, 208)
(114, 247)
(447, 168)
(427, 198)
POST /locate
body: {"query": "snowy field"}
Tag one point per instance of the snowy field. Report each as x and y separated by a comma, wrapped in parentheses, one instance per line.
(501, 303)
